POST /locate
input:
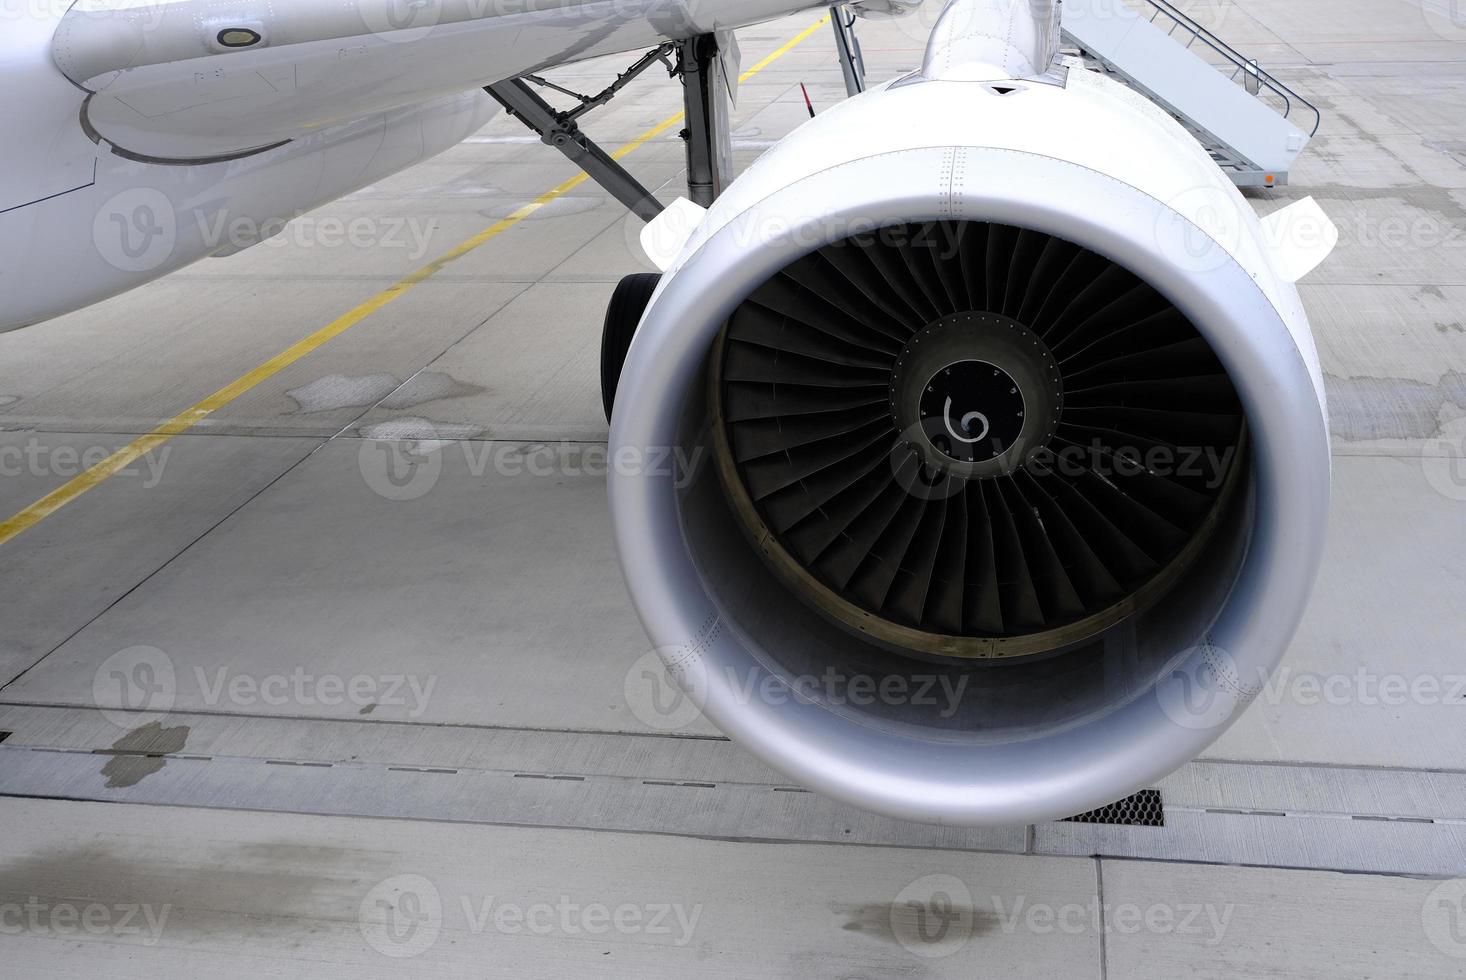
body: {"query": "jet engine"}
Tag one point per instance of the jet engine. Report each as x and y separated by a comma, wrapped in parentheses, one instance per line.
(1007, 464)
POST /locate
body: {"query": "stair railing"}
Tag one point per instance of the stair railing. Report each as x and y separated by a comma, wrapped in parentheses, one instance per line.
(1246, 71)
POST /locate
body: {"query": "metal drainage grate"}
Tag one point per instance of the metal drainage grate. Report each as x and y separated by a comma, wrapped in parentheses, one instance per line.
(1144, 809)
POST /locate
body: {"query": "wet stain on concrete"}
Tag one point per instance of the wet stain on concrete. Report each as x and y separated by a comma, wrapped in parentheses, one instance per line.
(140, 753)
(1345, 123)
(337, 391)
(1427, 197)
(189, 891)
(1364, 409)
(413, 429)
(892, 923)
(429, 386)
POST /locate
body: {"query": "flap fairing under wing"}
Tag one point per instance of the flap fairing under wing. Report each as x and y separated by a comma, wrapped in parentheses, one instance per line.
(204, 79)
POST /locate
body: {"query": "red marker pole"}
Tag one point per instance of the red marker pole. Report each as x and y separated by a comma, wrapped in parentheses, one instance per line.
(809, 104)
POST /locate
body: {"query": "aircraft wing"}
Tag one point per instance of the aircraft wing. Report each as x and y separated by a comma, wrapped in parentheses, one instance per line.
(142, 127)
(204, 79)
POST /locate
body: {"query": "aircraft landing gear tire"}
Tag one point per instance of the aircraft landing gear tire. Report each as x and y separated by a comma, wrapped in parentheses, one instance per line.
(623, 316)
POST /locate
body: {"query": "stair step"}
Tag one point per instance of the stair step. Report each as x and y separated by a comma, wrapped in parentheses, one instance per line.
(1221, 101)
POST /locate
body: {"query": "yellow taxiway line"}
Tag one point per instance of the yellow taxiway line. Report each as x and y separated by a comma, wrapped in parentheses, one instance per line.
(28, 518)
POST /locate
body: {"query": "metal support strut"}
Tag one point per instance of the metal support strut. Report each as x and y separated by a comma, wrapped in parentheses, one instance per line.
(562, 131)
(706, 93)
(852, 60)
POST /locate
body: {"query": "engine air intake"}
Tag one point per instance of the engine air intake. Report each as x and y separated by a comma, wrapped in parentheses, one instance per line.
(972, 440)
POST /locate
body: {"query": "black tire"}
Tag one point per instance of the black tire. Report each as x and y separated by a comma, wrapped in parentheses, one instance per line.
(623, 316)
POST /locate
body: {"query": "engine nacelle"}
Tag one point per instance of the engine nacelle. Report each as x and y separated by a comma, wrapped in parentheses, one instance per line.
(1001, 390)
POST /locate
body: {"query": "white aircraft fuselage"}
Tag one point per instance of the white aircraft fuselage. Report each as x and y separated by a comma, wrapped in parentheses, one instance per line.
(138, 130)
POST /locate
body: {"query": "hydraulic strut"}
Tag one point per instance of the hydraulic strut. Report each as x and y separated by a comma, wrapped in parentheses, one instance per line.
(562, 129)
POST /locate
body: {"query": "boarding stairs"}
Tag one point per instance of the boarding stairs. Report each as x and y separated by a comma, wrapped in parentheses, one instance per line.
(1253, 125)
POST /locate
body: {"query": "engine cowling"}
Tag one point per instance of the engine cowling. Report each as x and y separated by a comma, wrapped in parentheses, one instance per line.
(1015, 463)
